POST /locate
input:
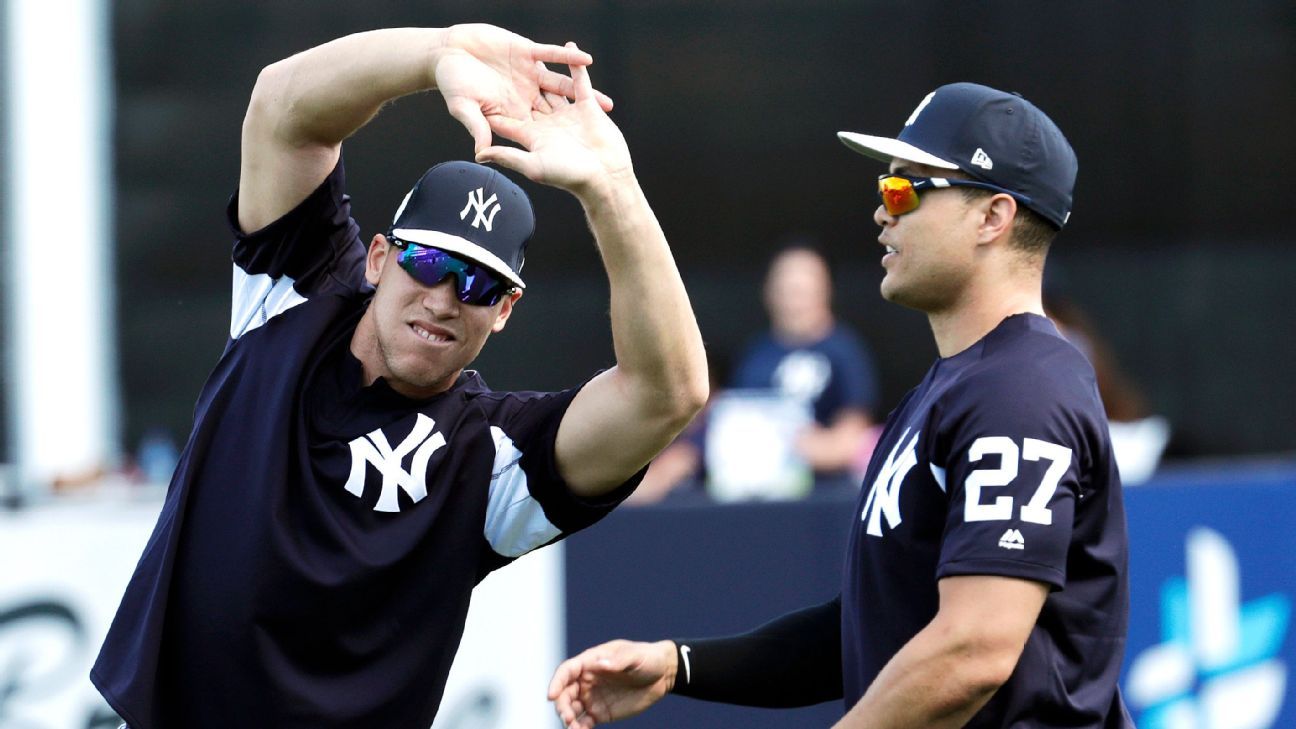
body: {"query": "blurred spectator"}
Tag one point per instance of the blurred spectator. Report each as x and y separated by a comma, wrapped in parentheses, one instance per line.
(808, 360)
(1139, 437)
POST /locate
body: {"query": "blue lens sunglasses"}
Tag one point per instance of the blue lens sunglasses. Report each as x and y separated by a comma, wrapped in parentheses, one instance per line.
(473, 283)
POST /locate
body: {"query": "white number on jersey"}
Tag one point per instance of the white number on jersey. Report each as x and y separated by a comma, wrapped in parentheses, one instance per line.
(1036, 510)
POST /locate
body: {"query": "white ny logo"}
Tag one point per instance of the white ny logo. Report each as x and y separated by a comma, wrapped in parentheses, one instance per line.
(373, 448)
(884, 497)
(478, 206)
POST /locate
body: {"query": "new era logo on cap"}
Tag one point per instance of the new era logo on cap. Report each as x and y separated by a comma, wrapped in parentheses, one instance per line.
(472, 211)
(992, 135)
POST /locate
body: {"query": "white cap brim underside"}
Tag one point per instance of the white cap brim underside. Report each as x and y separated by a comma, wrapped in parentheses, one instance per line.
(463, 247)
(887, 149)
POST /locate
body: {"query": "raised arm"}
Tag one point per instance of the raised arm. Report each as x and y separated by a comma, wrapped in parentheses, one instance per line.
(303, 107)
(629, 413)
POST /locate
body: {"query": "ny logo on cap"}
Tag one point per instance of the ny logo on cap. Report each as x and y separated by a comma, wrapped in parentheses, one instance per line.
(478, 205)
(921, 105)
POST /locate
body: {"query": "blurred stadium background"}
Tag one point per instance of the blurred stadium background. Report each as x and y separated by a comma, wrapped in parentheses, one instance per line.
(1180, 252)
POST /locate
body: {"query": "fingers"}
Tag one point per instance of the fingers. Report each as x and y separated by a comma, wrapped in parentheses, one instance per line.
(568, 55)
(510, 128)
(561, 84)
(470, 115)
(565, 675)
(511, 157)
(581, 87)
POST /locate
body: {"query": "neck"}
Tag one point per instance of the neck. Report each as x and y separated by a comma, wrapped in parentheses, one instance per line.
(963, 325)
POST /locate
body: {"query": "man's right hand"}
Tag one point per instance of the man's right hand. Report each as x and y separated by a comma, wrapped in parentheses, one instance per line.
(483, 70)
(303, 107)
(615, 680)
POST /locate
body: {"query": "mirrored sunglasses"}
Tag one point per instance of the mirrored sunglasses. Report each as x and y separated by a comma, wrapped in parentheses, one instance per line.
(899, 193)
(473, 284)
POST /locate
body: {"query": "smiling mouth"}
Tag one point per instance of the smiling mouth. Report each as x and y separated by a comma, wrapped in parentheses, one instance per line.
(431, 337)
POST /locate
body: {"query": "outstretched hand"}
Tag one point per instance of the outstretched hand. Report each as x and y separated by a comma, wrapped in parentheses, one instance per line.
(484, 71)
(612, 681)
(567, 144)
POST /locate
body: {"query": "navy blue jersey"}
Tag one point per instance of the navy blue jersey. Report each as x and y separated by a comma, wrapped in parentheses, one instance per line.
(998, 463)
(831, 374)
(320, 540)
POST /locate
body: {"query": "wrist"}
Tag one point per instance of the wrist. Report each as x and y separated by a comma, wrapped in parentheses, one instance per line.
(612, 189)
(679, 670)
(437, 47)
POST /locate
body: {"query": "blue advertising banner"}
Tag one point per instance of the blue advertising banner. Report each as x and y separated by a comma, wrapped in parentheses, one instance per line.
(1212, 573)
(1213, 577)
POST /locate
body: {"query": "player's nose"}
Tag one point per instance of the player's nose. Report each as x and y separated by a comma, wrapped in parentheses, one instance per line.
(441, 299)
(883, 218)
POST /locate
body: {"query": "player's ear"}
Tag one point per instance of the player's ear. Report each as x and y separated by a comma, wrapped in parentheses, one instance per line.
(379, 248)
(505, 309)
(997, 215)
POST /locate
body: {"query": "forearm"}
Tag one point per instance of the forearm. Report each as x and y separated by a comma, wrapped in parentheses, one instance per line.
(934, 682)
(323, 95)
(658, 345)
(794, 660)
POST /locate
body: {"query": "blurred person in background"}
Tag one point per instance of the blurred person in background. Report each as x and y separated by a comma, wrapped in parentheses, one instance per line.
(808, 357)
(985, 581)
(348, 481)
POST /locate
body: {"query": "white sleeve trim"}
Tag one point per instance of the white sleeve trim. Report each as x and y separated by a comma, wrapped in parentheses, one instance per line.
(939, 474)
(515, 522)
(259, 298)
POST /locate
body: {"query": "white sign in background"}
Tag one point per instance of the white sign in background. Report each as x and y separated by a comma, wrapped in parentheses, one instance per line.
(64, 565)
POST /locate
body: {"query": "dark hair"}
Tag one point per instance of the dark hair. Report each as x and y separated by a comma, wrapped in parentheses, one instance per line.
(1032, 233)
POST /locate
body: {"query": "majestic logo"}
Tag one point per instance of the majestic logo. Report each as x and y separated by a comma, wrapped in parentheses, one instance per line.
(1012, 539)
(982, 160)
(884, 498)
(374, 449)
(479, 206)
(1218, 667)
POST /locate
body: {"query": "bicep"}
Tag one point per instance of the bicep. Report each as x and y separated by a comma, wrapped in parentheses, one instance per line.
(276, 172)
(607, 435)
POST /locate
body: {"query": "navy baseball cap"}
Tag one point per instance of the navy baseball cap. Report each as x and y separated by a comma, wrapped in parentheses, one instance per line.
(471, 211)
(992, 135)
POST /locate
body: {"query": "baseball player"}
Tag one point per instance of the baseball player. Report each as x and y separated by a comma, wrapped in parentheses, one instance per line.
(985, 583)
(348, 481)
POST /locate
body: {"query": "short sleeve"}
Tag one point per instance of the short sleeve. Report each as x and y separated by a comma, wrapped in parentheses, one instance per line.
(530, 503)
(313, 249)
(1007, 450)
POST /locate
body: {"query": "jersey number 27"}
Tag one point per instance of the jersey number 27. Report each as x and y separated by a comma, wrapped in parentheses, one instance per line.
(1036, 510)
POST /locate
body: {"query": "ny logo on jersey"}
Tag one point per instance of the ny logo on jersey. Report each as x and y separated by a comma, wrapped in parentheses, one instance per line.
(374, 449)
(479, 206)
(884, 498)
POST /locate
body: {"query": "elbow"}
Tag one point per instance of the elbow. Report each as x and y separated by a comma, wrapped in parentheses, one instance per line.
(988, 673)
(690, 394)
(274, 109)
(981, 665)
(678, 401)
